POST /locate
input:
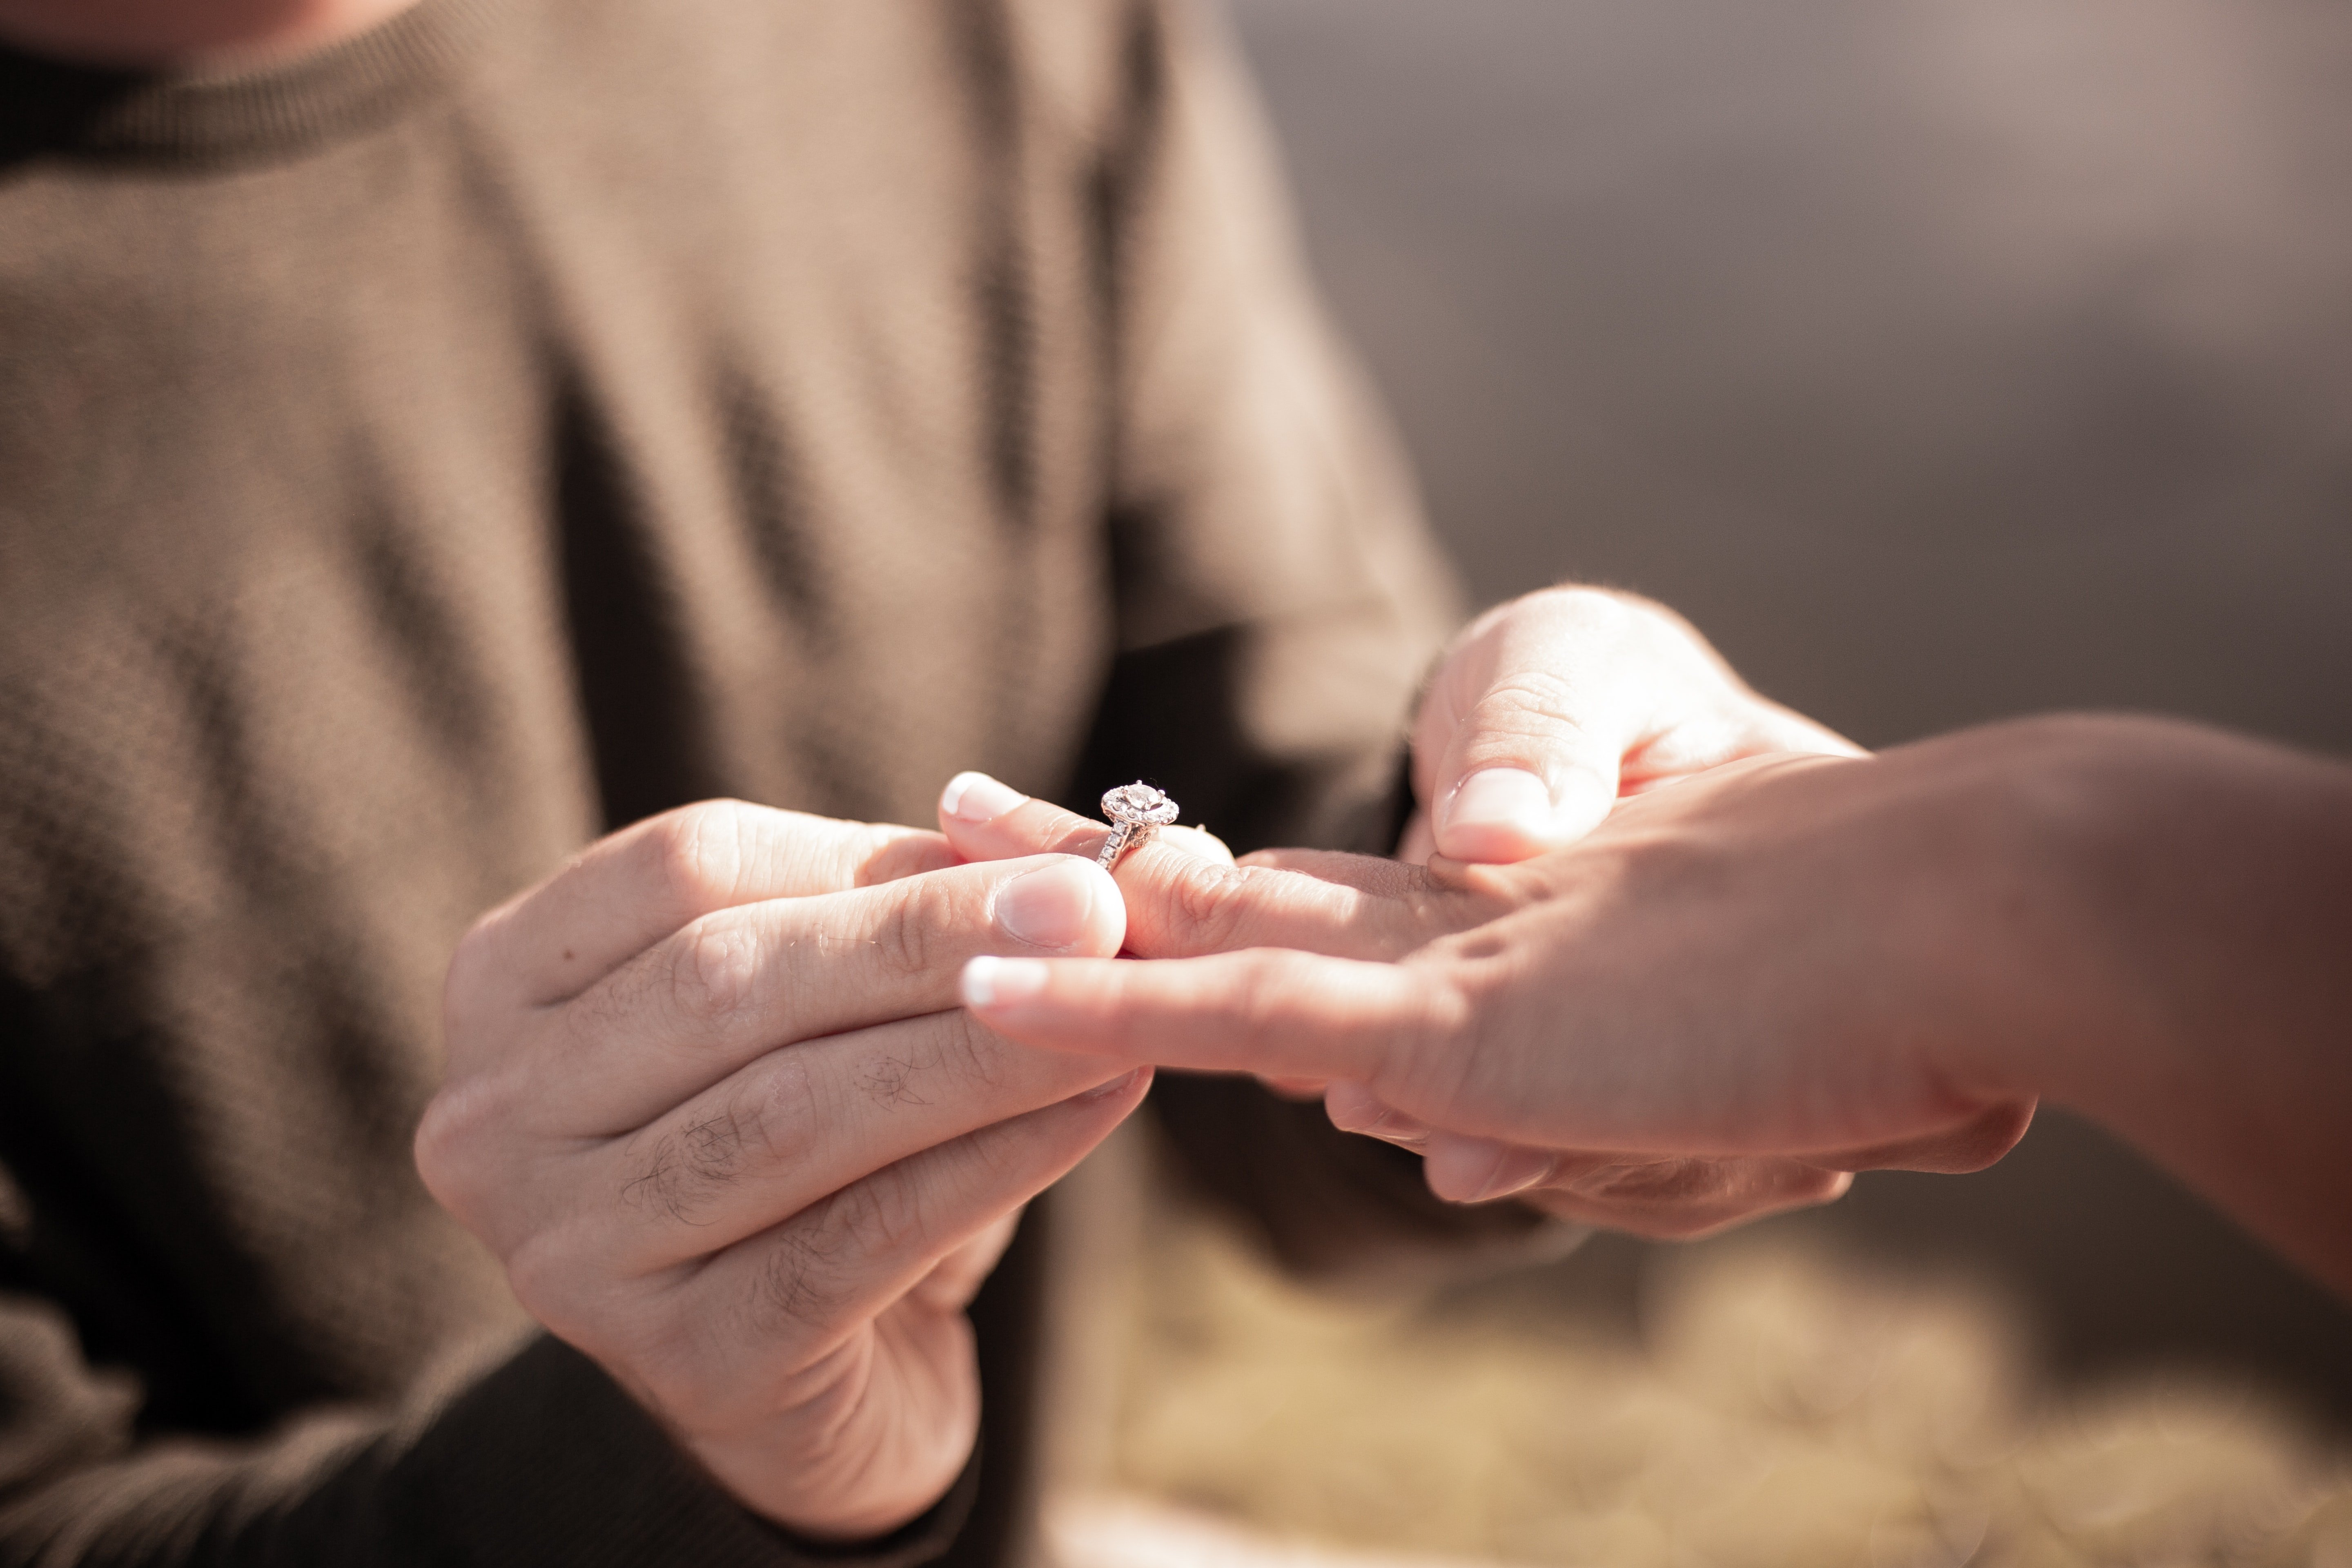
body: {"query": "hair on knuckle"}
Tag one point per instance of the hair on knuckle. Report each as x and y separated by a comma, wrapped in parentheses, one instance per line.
(891, 1082)
(803, 1281)
(885, 1214)
(679, 1171)
(796, 1285)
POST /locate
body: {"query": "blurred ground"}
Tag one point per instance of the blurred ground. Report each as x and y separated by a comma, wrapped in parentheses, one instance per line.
(1943, 360)
(1778, 1407)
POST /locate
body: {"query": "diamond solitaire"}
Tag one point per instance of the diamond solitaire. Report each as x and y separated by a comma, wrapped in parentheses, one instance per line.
(1135, 810)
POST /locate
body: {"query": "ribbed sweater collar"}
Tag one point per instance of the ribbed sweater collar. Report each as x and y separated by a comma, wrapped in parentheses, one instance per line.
(49, 106)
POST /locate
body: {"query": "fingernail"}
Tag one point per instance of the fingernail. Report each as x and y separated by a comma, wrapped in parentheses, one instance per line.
(1396, 1127)
(1516, 1170)
(1001, 982)
(977, 798)
(1352, 1108)
(1119, 1085)
(1049, 907)
(1509, 799)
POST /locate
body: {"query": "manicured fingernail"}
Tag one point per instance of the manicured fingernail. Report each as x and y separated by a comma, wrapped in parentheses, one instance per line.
(1049, 907)
(977, 798)
(1510, 798)
(1119, 1085)
(1001, 982)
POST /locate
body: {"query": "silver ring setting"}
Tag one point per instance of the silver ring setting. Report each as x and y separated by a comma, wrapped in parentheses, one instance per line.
(1136, 811)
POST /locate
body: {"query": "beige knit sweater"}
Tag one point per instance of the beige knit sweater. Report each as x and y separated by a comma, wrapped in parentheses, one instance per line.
(418, 458)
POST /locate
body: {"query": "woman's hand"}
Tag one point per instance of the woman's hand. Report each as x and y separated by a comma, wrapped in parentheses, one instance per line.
(1590, 1031)
(1838, 963)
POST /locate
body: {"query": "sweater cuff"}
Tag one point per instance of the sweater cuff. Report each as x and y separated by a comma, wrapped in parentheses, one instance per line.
(546, 1460)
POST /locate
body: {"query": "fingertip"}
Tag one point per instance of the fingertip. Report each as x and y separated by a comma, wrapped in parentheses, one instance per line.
(1353, 1108)
(1496, 816)
(1463, 1170)
(991, 984)
(1132, 1083)
(1499, 815)
(975, 799)
(1059, 903)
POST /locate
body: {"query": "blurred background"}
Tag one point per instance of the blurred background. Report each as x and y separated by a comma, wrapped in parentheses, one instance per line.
(1942, 360)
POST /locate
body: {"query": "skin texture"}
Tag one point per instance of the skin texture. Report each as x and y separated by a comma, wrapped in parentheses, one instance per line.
(156, 34)
(710, 1100)
(1794, 963)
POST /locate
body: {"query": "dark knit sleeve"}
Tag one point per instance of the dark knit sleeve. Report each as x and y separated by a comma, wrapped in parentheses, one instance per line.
(1279, 602)
(541, 1460)
(1278, 597)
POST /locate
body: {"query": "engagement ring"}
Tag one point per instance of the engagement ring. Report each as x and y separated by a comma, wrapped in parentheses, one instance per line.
(1134, 810)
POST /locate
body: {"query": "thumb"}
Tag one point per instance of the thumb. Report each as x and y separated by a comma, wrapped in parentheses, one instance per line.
(1521, 773)
(1518, 746)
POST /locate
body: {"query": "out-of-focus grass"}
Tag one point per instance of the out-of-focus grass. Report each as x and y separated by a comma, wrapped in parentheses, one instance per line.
(1782, 1408)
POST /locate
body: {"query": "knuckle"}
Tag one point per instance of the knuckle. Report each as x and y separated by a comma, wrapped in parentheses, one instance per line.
(716, 1146)
(912, 939)
(1527, 700)
(810, 1276)
(712, 977)
(971, 1052)
(883, 1213)
(702, 850)
(677, 1171)
(439, 1150)
(453, 1138)
(544, 1273)
(469, 984)
(797, 1285)
(1210, 902)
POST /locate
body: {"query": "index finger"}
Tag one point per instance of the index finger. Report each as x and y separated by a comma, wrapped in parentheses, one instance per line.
(1268, 1011)
(630, 889)
(1182, 903)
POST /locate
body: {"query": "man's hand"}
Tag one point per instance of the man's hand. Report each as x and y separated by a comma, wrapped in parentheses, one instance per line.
(1549, 708)
(1719, 1004)
(712, 1103)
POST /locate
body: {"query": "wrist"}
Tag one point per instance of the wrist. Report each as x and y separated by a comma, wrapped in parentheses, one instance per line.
(820, 1499)
(2217, 879)
(2191, 930)
(2034, 911)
